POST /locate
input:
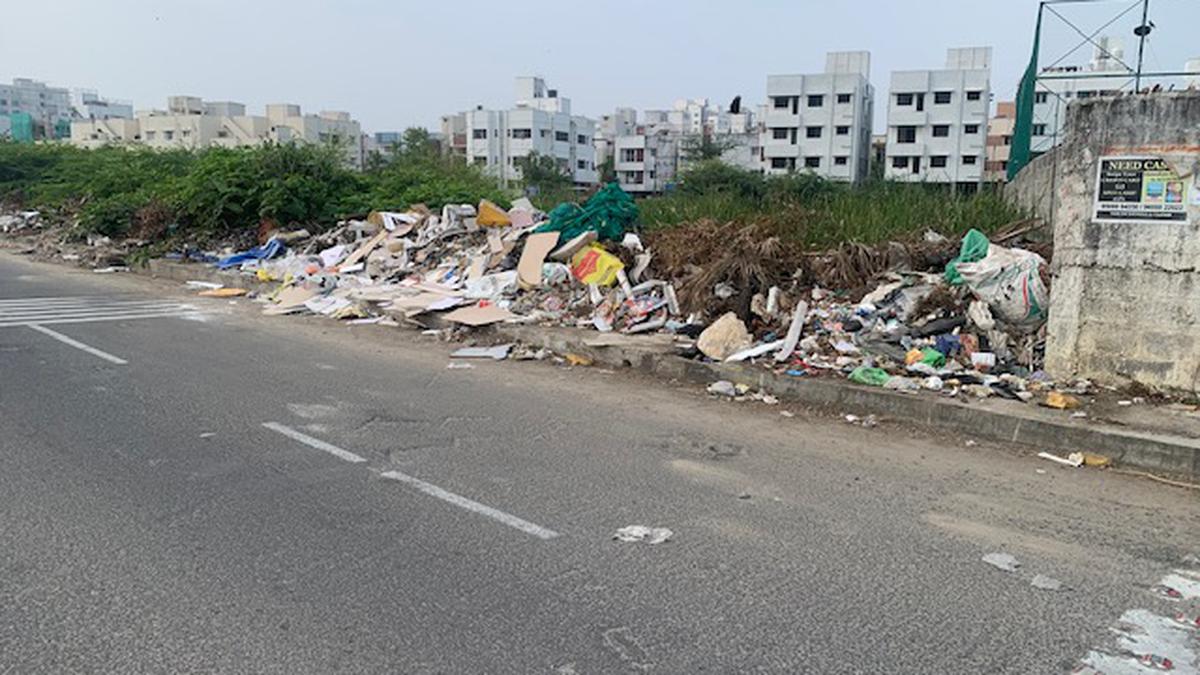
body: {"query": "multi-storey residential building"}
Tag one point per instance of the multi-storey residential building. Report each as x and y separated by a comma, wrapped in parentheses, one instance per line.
(646, 161)
(999, 142)
(89, 105)
(1052, 96)
(189, 122)
(540, 122)
(821, 122)
(622, 122)
(937, 120)
(48, 107)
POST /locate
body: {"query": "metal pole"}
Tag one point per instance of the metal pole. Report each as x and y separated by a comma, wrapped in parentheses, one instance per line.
(1142, 31)
(1054, 162)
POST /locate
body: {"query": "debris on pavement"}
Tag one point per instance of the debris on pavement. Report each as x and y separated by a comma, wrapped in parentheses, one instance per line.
(641, 533)
(496, 353)
(723, 388)
(1074, 460)
(1046, 583)
(1002, 561)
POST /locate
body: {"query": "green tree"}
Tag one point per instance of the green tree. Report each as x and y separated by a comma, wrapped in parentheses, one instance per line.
(417, 144)
(701, 147)
(607, 170)
(543, 172)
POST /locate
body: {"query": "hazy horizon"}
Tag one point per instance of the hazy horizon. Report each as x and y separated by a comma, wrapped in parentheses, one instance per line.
(394, 65)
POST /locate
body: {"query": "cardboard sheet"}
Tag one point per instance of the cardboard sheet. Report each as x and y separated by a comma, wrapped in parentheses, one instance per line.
(529, 269)
(479, 316)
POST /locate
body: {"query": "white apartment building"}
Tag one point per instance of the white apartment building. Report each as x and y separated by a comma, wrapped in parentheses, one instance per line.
(89, 105)
(50, 107)
(622, 122)
(821, 122)
(1052, 96)
(646, 161)
(190, 122)
(937, 120)
(540, 122)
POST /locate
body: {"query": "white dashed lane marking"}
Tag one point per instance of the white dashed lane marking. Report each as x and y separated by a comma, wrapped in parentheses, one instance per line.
(77, 344)
(420, 485)
(313, 442)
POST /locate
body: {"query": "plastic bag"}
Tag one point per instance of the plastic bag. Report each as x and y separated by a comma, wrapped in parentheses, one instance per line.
(974, 248)
(594, 265)
(875, 377)
(1009, 280)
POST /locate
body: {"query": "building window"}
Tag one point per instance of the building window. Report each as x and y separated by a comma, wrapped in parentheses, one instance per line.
(1086, 94)
(150, 135)
(812, 162)
(938, 161)
(840, 160)
(581, 139)
(970, 159)
(1039, 130)
(521, 133)
(186, 133)
(970, 128)
(812, 132)
(780, 102)
(1041, 97)
(904, 99)
(779, 162)
(816, 100)
(562, 136)
(779, 133)
(899, 162)
(582, 164)
(906, 134)
(941, 97)
(479, 133)
(222, 133)
(843, 98)
(974, 95)
(941, 130)
(168, 135)
(843, 131)
(633, 154)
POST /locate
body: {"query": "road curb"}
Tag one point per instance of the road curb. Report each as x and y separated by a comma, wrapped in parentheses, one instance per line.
(1153, 452)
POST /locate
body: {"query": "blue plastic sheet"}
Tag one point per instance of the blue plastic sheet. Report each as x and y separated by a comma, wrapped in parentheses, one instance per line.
(268, 250)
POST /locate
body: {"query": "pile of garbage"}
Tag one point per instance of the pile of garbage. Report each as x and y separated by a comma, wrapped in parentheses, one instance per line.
(975, 330)
(474, 265)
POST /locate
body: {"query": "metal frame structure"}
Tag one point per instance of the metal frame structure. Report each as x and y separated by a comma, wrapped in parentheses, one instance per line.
(1132, 75)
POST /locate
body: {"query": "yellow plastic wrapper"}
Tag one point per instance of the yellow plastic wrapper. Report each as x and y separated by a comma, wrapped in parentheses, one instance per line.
(594, 265)
(491, 215)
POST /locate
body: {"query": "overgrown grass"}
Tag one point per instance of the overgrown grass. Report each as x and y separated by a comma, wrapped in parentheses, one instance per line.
(218, 192)
(822, 214)
(221, 192)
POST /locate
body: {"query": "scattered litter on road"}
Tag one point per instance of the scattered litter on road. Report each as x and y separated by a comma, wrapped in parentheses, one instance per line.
(459, 365)
(787, 413)
(639, 533)
(1046, 583)
(1075, 459)
(203, 285)
(497, 353)
(578, 359)
(867, 422)
(110, 269)
(208, 434)
(223, 293)
(1002, 561)
(723, 388)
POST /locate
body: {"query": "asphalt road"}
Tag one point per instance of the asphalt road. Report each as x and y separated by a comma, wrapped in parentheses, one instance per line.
(400, 516)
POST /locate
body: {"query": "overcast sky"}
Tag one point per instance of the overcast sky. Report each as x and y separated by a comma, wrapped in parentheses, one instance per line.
(399, 63)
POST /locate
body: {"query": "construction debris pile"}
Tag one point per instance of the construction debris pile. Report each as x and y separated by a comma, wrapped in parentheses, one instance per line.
(970, 325)
(473, 266)
(975, 330)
